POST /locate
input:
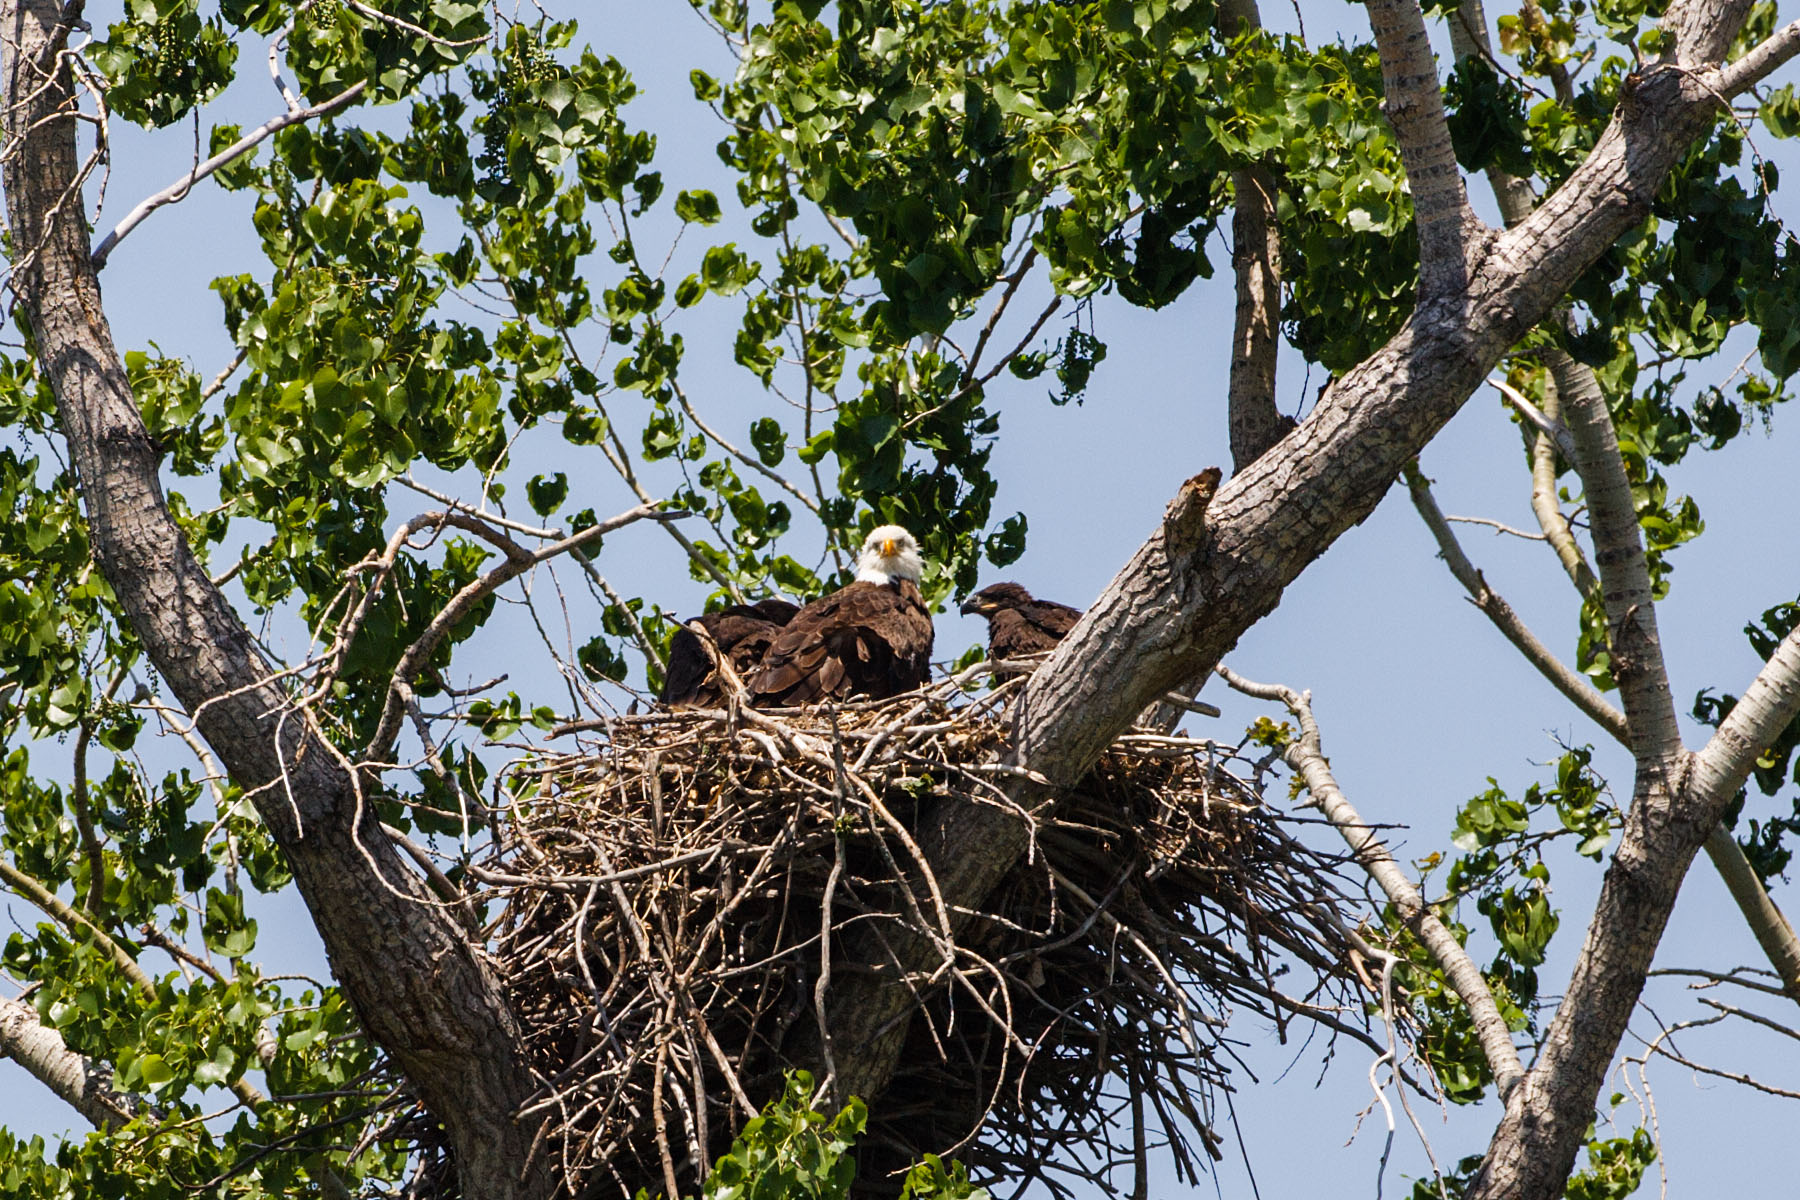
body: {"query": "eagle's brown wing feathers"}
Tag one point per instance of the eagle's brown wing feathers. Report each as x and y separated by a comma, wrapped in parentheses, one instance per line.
(867, 639)
(742, 632)
(1029, 629)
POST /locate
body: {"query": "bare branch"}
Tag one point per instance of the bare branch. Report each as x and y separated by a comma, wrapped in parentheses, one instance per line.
(1306, 756)
(518, 561)
(179, 189)
(1255, 421)
(1572, 685)
(749, 460)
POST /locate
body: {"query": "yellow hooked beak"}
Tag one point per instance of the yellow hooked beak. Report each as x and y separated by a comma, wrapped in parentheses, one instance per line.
(889, 547)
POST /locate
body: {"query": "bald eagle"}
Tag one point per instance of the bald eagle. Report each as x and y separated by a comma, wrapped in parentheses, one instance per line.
(871, 638)
(741, 632)
(1017, 624)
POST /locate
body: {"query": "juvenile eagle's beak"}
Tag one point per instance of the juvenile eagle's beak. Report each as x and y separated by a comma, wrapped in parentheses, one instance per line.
(889, 547)
(972, 607)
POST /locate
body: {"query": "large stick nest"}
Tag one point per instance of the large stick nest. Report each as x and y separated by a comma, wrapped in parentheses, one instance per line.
(680, 886)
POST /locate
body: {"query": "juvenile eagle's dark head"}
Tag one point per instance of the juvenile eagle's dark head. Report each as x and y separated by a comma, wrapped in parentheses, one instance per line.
(995, 597)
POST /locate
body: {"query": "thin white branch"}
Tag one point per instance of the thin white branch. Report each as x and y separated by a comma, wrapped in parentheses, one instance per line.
(1307, 757)
(83, 1083)
(1556, 431)
(180, 188)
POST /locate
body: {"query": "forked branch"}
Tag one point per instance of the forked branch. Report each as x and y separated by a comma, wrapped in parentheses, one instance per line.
(1306, 756)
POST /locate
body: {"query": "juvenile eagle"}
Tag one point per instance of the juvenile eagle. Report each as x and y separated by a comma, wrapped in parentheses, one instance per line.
(1017, 624)
(742, 633)
(872, 638)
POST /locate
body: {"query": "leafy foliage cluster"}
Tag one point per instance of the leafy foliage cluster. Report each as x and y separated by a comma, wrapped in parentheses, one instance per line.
(491, 272)
(1502, 868)
(794, 1152)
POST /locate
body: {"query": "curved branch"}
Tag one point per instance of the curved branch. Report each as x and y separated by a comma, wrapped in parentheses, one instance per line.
(518, 561)
(1577, 689)
(179, 190)
(1306, 755)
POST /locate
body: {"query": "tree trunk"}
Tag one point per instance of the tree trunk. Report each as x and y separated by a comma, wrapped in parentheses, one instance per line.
(418, 986)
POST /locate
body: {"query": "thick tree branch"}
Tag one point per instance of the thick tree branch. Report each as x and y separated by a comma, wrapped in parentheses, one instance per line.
(1534, 1147)
(1636, 647)
(1701, 31)
(84, 1084)
(1762, 59)
(1751, 726)
(1414, 106)
(418, 986)
(1774, 934)
(1194, 587)
(1306, 755)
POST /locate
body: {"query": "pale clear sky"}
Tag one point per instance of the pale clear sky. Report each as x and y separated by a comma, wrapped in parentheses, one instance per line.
(1420, 700)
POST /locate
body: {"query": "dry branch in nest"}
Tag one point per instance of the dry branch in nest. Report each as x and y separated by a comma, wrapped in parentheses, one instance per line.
(680, 893)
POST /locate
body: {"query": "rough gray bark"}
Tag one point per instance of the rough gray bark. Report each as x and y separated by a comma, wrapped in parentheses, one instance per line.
(1774, 934)
(420, 989)
(1534, 1147)
(1198, 583)
(1254, 421)
(85, 1085)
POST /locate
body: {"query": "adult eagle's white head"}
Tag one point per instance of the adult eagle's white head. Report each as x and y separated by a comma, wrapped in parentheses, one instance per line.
(889, 553)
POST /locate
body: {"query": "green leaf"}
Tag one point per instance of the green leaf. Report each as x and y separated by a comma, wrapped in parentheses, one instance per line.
(770, 442)
(700, 207)
(547, 492)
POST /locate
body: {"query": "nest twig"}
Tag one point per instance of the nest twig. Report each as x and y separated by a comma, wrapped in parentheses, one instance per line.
(680, 893)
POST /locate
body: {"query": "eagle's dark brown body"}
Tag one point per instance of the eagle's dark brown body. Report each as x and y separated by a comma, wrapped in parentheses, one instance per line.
(1019, 625)
(867, 639)
(743, 634)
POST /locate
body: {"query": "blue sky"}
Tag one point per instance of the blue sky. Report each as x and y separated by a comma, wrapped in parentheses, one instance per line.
(1419, 699)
